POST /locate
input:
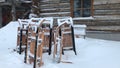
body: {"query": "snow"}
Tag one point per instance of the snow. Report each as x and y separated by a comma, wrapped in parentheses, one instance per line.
(91, 53)
(46, 20)
(32, 15)
(2, 0)
(80, 29)
(84, 18)
(64, 20)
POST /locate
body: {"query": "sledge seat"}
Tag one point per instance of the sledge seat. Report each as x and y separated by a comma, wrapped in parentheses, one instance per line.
(37, 41)
(43, 26)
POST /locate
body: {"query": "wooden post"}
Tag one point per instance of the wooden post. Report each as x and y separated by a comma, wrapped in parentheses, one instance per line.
(35, 49)
(20, 46)
(13, 10)
(73, 40)
(72, 8)
(35, 7)
(92, 8)
(25, 57)
(50, 40)
(1, 16)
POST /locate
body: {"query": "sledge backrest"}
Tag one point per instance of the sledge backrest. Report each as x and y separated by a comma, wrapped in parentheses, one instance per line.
(63, 20)
(38, 21)
(23, 23)
(65, 24)
(48, 21)
(41, 22)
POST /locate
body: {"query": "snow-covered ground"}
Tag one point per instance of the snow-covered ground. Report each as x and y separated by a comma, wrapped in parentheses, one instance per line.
(91, 53)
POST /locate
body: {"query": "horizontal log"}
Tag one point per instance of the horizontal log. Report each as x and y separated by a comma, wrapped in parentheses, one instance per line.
(53, 1)
(56, 4)
(55, 10)
(107, 12)
(107, 6)
(107, 17)
(100, 20)
(55, 14)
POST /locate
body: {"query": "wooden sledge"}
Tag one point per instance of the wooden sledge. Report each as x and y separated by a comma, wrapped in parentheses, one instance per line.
(36, 48)
(36, 36)
(47, 27)
(40, 37)
(63, 38)
(57, 45)
(22, 35)
(67, 33)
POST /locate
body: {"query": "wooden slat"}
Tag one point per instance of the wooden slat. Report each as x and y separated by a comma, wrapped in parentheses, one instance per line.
(56, 4)
(107, 6)
(55, 10)
(54, 1)
(55, 13)
(107, 12)
(72, 8)
(92, 8)
(116, 8)
(98, 22)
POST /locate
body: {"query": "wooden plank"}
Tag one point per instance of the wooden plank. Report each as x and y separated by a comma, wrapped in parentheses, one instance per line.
(92, 8)
(116, 8)
(107, 6)
(55, 13)
(55, 10)
(107, 12)
(56, 4)
(72, 8)
(98, 23)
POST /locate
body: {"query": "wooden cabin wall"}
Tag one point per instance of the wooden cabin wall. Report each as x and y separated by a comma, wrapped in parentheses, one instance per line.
(106, 13)
(54, 8)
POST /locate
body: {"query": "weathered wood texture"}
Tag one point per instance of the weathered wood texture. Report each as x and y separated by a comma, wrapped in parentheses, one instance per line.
(54, 8)
(104, 15)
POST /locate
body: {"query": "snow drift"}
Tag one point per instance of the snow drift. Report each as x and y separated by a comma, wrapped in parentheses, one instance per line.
(91, 53)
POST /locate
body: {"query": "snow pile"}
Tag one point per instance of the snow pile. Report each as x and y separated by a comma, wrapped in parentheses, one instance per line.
(8, 37)
(91, 53)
